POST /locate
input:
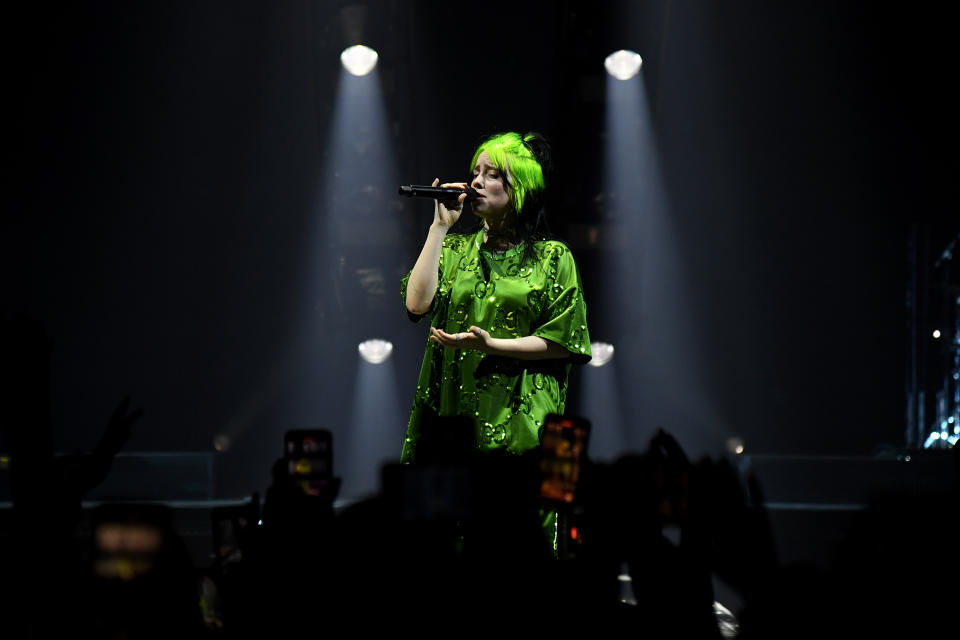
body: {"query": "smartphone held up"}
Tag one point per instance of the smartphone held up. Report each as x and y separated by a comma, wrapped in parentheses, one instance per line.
(308, 454)
(564, 444)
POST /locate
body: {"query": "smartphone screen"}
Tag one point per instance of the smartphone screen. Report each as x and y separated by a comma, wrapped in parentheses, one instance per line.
(308, 443)
(125, 550)
(309, 459)
(564, 449)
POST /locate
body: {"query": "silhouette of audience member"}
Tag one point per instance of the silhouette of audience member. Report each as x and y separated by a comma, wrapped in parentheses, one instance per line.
(288, 576)
(46, 491)
(455, 537)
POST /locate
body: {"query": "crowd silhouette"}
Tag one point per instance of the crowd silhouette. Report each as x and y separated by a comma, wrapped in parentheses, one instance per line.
(454, 544)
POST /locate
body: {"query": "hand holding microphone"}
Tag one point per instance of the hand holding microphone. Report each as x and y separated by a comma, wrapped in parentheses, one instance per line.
(448, 199)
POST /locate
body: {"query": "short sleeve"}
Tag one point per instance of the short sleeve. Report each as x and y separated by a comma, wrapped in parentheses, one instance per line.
(453, 245)
(564, 316)
(404, 281)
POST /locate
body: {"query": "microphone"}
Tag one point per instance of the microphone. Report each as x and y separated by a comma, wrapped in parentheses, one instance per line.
(437, 193)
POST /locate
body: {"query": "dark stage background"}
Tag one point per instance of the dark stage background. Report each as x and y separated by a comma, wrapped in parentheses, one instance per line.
(203, 218)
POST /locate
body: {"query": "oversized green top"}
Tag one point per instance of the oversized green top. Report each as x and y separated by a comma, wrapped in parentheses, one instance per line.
(510, 297)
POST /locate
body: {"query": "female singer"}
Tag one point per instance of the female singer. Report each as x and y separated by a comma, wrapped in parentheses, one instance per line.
(506, 304)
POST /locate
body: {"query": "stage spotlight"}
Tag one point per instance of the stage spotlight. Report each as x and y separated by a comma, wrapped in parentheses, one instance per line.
(375, 351)
(735, 445)
(729, 627)
(221, 442)
(623, 64)
(936, 333)
(358, 59)
(602, 353)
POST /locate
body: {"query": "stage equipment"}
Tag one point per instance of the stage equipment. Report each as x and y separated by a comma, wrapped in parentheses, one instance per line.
(933, 351)
(375, 350)
(623, 64)
(602, 353)
(359, 60)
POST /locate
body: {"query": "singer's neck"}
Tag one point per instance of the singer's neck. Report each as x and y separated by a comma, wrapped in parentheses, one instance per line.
(500, 235)
(500, 240)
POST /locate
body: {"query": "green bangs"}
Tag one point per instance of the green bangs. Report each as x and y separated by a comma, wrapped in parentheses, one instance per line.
(510, 155)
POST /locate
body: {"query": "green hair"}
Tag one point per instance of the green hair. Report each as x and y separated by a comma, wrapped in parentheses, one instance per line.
(509, 152)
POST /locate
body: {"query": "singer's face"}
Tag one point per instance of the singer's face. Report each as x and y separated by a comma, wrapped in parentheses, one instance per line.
(491, 186)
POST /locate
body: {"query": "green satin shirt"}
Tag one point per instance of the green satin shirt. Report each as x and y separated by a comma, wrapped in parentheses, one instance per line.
(510, 297)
